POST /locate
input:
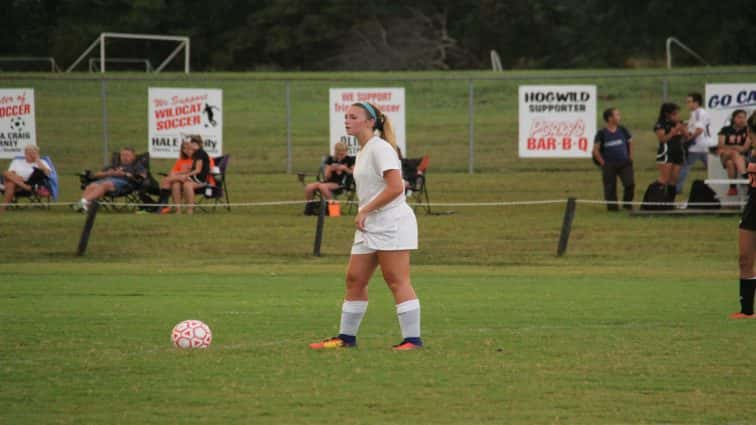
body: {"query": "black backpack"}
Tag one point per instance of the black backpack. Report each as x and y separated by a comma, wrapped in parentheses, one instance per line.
(657, 193)
(700, 192)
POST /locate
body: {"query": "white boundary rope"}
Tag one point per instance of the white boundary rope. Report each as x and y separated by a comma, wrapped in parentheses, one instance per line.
(431, 204)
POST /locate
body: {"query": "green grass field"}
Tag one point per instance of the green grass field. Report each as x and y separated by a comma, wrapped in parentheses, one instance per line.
(629, 327)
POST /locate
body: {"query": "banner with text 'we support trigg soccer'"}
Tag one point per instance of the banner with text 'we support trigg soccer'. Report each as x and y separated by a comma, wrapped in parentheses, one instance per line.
(389, 100)
(17, 124)
(556, 121)
(174, 114)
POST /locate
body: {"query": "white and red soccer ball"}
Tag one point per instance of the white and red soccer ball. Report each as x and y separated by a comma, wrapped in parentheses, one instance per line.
(191, 334)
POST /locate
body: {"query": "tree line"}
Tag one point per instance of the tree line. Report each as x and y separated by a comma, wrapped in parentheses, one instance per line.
(237, 35)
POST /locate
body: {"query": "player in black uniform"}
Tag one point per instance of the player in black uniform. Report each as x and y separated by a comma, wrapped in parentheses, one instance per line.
(734, 147)
(747, 240)
(672, 134)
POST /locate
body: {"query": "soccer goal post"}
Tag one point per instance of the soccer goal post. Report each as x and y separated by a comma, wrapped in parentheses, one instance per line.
(94, 63)
(31, 59)
(183, 43)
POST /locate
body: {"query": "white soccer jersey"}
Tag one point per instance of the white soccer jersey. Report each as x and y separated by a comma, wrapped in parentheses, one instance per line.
(376, 157)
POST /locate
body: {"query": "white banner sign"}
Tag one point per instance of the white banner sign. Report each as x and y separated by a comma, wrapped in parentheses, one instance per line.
(389, 100)
(17, 124)
(176, 113)
(557, 121)
(721, 100)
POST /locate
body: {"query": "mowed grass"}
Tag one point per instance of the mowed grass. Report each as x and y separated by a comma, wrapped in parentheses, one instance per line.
(629, 327)
(503, 346)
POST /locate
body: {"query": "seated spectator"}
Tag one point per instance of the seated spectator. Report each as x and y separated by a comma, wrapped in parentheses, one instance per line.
(613, 150)
(170, 185)
(733, 148)
(25, 174)
(338, 167)
(116, 179)
(191, 172)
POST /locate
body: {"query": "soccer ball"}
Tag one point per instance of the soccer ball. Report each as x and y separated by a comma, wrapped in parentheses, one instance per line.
(191, 334)
(17, 123)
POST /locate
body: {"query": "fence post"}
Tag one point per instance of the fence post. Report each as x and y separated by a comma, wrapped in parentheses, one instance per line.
(105, 136)
(569, 216)
(88, 224)
(288, 128)
(471, 118)
(319, 227)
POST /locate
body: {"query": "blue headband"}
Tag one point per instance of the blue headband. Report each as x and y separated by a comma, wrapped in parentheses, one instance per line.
(370, 109)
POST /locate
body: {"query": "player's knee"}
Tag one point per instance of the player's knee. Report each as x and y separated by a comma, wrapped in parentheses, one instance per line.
(393, 280)
(355, 280)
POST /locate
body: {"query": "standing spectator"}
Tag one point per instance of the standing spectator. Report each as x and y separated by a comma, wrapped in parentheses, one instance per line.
(733, 147)
(613, 150)
(671, 154)
(699, 140)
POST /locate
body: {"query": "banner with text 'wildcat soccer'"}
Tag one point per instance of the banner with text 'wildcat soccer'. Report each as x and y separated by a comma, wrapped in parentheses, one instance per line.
(174, 114)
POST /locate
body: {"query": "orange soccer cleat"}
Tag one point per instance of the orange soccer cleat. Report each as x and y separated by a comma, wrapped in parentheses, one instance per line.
(740, 315)
(331, 343)
(408, 345)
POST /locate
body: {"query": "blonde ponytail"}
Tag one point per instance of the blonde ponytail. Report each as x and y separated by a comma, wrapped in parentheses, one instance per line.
(385, 128)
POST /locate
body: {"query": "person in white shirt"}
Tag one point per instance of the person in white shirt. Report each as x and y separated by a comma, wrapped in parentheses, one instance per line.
(386, 231)
(23, 174)
(700, 137)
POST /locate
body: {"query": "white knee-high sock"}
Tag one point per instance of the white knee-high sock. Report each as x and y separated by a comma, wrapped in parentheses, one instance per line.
(352, 313)
(409, 318)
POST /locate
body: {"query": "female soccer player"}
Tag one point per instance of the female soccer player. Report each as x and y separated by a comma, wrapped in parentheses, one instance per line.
(386, 231)
(747, 239)
(670, 156)
(734, 147)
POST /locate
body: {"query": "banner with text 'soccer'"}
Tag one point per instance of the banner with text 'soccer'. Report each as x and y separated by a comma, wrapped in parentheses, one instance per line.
(174, 114)
(557, 121)
(390, 101)
(17, 123)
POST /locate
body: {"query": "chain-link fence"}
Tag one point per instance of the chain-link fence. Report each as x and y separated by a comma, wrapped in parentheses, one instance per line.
(275, 123)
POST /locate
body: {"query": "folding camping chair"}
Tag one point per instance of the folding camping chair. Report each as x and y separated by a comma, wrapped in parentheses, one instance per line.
(414, 171)
(43, 194)
(138, 194)
(217, 192)
(346, 187)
